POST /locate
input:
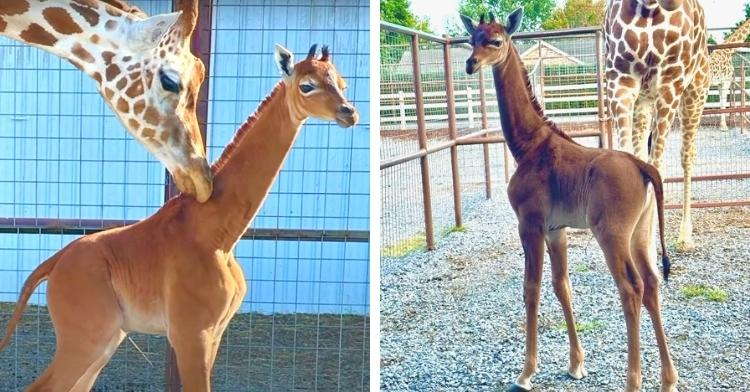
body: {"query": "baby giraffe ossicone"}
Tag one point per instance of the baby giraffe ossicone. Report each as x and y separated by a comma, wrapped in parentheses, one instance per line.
(559, 184)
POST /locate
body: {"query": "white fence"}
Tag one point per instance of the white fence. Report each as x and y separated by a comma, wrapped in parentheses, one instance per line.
(398, 111)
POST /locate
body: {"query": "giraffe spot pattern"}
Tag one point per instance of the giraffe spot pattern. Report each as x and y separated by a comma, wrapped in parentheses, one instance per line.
(112, 71)
(3, 24)
(13, 7)
(61, 21)
(151, 116)
(36, 34)
(79, 51)
(107, 56)
(110, 25)
(123, 106)
(87, 12)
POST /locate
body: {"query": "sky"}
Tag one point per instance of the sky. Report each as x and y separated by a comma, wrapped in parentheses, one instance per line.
(719, 13)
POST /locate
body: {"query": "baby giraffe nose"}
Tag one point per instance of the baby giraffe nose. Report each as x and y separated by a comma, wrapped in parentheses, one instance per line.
(471, 63)
(346, 109)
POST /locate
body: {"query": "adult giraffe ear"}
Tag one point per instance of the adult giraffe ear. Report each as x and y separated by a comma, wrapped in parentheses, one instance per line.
(285, 61)
(468, 24)
(146, 33)
(514, 21)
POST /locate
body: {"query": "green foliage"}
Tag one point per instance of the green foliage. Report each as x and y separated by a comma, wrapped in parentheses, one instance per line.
(534, 12)
(576, 13)
(702, 290)
(393, 45)
(405, 247)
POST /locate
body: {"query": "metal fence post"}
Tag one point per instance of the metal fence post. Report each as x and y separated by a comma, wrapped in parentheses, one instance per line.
(422, 136)
(451, 100)
(201, 47)
(743, 116)
(600, 92)
(485, 146)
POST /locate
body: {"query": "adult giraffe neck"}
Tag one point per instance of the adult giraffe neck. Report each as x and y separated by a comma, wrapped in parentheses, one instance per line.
(520, 114)
(247, 169)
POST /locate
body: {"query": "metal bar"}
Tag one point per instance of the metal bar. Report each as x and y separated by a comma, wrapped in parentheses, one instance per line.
(89, 226)
(715, 177)
(734, 203)
(422, 133)
(736, 45)
(485, 146)
(411, 32)
(542, 34)
(726, 110)
(600, 88)
(742, 96)
(451, 100)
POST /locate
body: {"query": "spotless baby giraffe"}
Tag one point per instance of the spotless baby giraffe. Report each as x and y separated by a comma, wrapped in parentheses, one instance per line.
(143, 69)
(175, 273)
(560, 184)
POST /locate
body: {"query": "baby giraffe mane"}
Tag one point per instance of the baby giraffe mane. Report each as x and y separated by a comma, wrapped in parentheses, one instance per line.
(237, 139)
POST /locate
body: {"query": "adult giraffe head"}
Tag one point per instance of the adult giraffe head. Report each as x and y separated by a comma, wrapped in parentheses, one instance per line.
(490, 41)
(143, 68)
(315, 88)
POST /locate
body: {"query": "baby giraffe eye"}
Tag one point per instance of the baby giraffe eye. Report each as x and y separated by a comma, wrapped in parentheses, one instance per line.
(168, 84)
(306, 88)
(496, 43)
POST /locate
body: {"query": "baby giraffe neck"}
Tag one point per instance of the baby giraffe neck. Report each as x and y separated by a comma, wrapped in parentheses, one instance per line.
(249, 166)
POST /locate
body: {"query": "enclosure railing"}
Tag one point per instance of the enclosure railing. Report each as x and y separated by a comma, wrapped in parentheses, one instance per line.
(445, 116)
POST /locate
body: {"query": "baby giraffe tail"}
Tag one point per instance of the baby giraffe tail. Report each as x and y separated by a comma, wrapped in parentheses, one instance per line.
(37, 276)
(652, 174)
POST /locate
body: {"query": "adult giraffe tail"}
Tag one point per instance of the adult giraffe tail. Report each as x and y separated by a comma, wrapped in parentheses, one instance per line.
(651, 174)
(37, 276)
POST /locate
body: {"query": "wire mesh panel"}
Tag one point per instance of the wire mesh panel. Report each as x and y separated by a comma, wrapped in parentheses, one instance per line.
(304, 324)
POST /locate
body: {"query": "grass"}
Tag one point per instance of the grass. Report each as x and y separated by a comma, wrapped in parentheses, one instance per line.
(453, 229)
(583, 326)
(704, 291)
(405, 247)
(581, 268)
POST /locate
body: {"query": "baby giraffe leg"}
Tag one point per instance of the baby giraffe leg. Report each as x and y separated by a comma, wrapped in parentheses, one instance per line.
(616, 249)
(195, 355)
(651, 301)
(532, 239)
(557, 244)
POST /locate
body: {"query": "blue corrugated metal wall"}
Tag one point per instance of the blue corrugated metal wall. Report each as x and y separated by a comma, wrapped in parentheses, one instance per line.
(64, 155)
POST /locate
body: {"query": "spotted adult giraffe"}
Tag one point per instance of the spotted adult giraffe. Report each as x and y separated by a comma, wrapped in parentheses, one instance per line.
(142, 67)
(657, 63)
(721, 69)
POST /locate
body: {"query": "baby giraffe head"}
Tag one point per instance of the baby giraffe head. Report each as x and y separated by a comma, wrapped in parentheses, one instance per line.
(315, 88)
(490, 41)
(151, 81)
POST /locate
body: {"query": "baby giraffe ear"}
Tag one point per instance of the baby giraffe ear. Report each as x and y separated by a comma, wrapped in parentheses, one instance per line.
(514, 21)
(468, 24)
(146, 33)
(285, 61)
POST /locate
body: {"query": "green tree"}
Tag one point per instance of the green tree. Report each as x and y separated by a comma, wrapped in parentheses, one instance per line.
(534, 12)
(393, 45)
(576, 13)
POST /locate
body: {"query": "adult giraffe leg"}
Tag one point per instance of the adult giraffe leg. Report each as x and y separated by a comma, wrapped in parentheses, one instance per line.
(557, 244)
(691, 111)
(646, 268)
(621, 100)
(643, 117)
(532, 238)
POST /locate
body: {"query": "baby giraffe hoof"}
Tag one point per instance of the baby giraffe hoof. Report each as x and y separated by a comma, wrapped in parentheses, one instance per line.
(578, 373)
(519, 388)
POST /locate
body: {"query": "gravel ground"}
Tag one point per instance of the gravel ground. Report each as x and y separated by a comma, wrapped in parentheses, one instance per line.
(259, 353)
(452, 319)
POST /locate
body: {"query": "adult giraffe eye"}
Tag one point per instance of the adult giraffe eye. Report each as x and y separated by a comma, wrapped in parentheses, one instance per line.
(168, 83)
(306, 88)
